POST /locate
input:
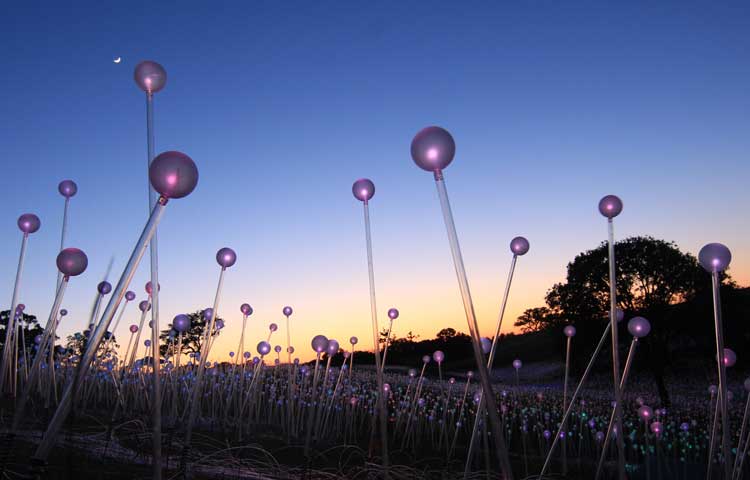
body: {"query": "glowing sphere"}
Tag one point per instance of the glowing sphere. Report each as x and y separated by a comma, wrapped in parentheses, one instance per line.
(363, 189)
(730, 358)
(353, 340)
(619, 315)
(133, 328)
(426, 359)
(63, 312)
(684, 426)
(547, 434)
(72, 262)
(38, 339)
(656, 428)
(173, 174)
(470, 374)
(104, 287)
(569, 331)
(486, 345)
(147, 343)
(645, 412)
(290, 349)
(387, 388)
(246, 355)
(208, 314)
(712, 389)
(226, 257)
(392, 313)
(438, 356)
(333, 347)
(150, 289)
(452, 380)
(412, 373)
(246, 309)
(517, 364)
(287, 311)
(144, 306)
(273, 327)
(639, 327)
(433, 149)
(181, 323)
(150, 76)
(519, 246)
(277, 349)
(610, 206)
(319, 343)
(263, 348)
(29, 223)
(130, 295)
(67, 188)
(714, 257)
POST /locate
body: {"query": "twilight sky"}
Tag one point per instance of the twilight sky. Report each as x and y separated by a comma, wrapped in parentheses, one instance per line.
(283, 105)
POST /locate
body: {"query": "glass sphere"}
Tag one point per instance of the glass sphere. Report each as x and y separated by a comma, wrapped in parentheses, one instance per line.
(519, 246)
(173, 174)
(433, 149)
(150, 289)
(104, 287)
(181, 323)
(438, 356)
(144, 306)
(684, 426)
(226, 257)
(569, 331)
(277, 349)
(730, 358)
(619, 315)
(273, 327)
(333, 347)
(656, 428)
(425, 359)
(645, 412)
(208, 314)
(486, 345)
(150, 76)
(610, 206)
(147, 343)
(412, 373)
(353, 340)
(29, 223)
(712, 389)
(67, 188)
(714, 257)
(470, 374)
(130, 295)
(264, 348)
(319, 343)
(639, 327)
(290, 349)
(517, 364)
(133, 328)
(63, 312)
(392, 313)
(246, 309)
(287, 311)
(72, 262)
(363, 189)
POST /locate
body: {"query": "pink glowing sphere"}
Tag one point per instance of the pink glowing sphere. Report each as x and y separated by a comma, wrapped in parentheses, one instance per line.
(144, 306)
(29, 223)
(392, 313)
(517, 364)
(639, 327)
(519, 246)
(353, 340)
(130, 295)
(150, 288)
(104, 287)
(181, 323)
(569, 331)
(173, 174)
(386, 388)
(72, 262)
(645, 412)
(150, 76)
(610, 206)
(730, 358)
(319, 343)
(287, 311)
(67, 188)
(656, 428)
(246, 309)
(226, 257)
(438, 356)
(263, 348)
(363, 189)
(714, 257)
(433, 149)
(133, 328)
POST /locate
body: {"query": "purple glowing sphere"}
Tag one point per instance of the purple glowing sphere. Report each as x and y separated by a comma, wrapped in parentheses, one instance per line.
(392, 313)
(72, 262)
(150, 76)
(150, 288)
(363, 189)
(639, 327)
(519, 246)
(486, 345)
(67, 188)
(619, 315)
(273, 327)
(425, 359)
(517, 364)
(264, 348)
(173, 174)
(147, 342)
(246, 309)
(130, 295)
(226, 257)
(433, 149)
(714, 257)
(730, 358)
(353, 340)
(569, 331)
(133, 328)
(287, 311)
(438, 356)
(277, 349)
(63, 312)
(181, 323)
(333, 347)
(29, 223)
(645, 412)
(319, 343)
(144, 306)
(208, 314)
(104, 287)
(610, 206)
(656, 428)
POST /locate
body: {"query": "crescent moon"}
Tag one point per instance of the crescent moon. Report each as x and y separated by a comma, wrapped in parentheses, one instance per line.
(118, 60)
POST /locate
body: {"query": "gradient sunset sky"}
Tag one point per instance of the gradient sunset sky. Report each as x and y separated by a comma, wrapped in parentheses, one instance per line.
(283, 105)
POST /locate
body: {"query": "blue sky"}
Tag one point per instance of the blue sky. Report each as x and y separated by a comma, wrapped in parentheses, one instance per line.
(284, 104)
